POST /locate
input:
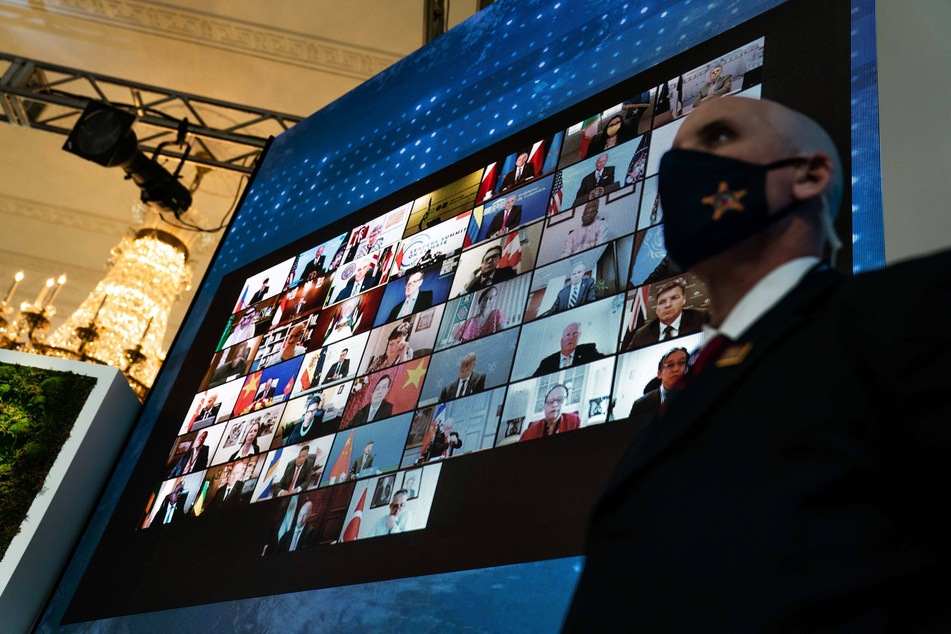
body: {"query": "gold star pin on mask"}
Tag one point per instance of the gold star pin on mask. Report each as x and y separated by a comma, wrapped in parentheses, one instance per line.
(724, 200)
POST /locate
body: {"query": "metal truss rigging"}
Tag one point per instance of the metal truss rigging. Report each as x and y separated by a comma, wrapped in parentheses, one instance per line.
(48, 97)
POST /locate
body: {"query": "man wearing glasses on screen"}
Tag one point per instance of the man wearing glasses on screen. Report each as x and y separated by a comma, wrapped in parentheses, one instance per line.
(490, 272)
(793, 483)
(554, 421)
(670, 369)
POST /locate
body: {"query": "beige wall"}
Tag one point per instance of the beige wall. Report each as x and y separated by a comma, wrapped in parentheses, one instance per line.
(914, 73)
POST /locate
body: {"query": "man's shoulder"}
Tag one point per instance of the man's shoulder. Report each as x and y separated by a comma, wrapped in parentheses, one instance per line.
(652, 398)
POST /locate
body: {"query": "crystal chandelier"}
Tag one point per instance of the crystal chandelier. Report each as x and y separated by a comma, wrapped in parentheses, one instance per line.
(122, 322)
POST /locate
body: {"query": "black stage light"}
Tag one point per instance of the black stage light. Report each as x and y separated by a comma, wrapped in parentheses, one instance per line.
(103, 134)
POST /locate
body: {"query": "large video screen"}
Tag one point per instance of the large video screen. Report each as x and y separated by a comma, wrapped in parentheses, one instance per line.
(443, 380)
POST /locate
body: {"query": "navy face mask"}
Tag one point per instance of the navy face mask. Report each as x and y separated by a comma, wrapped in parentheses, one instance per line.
(711, 202)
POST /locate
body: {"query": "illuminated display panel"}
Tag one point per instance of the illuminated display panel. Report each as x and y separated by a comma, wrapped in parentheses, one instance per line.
(386, 380)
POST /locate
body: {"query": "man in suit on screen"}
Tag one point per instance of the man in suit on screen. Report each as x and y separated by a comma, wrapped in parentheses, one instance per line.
(505, 219)
(597, 182)
(671, 367)
(792, 483)
(578, 291)
(522, 172)
(571, 353)
(339, 369)
(378, 408)
(468, 382)
(296, 476)
(415, 299)
(672, 320)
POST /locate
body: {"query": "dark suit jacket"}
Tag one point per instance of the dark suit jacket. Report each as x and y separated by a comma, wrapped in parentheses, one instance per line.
(317, 268)
(342, 371)
(585, 295)
(691, 322)
(515, 217)
(305, 541)
(424, 300)
(235, 498)
(795, 488)
(588, 183)
(358, 466)
(645, 408)
(584, 353)
(475, 385)
(502, 274)
(179, 513)
(303, 480)
(509, 181)
(368, 282)
(361, 417)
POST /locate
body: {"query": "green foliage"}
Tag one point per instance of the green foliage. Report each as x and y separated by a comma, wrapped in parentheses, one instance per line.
(37, 411)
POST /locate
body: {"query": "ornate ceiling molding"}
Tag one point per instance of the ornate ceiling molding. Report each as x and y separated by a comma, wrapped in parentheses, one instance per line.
(72, 218)
(233, 35)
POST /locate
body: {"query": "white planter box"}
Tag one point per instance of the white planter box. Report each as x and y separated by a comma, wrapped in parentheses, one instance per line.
(36, 556)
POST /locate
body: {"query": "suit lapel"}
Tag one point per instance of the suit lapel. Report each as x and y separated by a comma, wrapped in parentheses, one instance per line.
(688, 408)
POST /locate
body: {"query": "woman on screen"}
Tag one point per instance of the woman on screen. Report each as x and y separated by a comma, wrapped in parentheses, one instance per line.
(487, 320)
(249, 445)
(397, 349)
(614, 133)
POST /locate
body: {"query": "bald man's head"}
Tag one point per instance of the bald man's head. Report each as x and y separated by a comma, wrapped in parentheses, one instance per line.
(762, 131)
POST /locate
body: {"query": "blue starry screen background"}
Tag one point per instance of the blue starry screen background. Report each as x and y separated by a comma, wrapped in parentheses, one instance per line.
(499, 72)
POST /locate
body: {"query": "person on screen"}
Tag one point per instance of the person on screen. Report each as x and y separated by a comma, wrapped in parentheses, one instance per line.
(578, 292)
(672, 320)
(261, 292)
(378, 408)
(249, 446)
(555, 421)
(522, 172)
(297, 474)
(291, 346)
(346, 321)
(487, 318)
(468, 382)
(314, 268)
(307, 426)
(810, 440)
(360, 281)
(302, 535)
(172, 507)
(397, 520)
(208, 410)
(614, 133)
(571, 354)
(415, 299)
(671, 367)
(594, 184)
(444, 442)
(506, 219)
(363, 462)
(397, 350)
(339, 369)
(243, 330)
(490, 272)
(266, 391)
(718, 86)
(233, 493)
(195, 459)
(592, 232)
(232, 366)
(372, 243)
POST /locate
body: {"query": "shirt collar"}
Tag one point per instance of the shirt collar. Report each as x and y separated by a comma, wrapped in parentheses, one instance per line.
(761, 298)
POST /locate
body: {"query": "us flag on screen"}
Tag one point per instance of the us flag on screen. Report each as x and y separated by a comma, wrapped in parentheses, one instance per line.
(554, 206)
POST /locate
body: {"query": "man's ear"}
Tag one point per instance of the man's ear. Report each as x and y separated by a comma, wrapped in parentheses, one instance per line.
(813, 177)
